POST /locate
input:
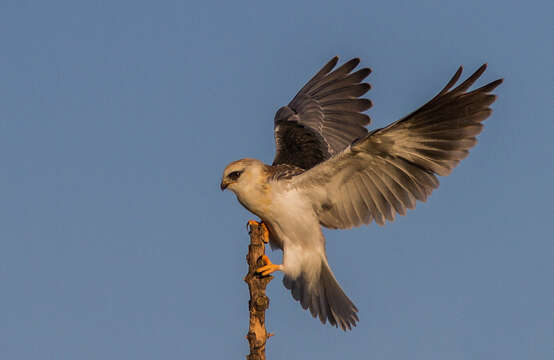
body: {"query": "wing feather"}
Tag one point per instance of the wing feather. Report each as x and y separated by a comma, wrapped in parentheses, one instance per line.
(353, 78)
(365, 208)
(390, 193)
(386, 171)
(326, 110)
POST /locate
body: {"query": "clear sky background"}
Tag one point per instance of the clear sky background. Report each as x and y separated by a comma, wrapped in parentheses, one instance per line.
(118, 117)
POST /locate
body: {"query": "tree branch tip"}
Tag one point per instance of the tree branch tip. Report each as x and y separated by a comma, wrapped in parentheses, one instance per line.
(259, 301)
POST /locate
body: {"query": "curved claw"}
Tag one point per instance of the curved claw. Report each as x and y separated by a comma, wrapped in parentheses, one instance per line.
(269, 267)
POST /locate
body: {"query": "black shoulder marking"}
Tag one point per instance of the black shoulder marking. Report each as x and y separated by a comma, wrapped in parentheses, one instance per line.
(283, 171)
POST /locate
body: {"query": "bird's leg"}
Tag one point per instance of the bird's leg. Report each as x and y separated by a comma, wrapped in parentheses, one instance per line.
(269, 267)
(265, 235)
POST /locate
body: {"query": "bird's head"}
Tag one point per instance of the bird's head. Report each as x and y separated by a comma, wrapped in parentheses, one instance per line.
(241, 174)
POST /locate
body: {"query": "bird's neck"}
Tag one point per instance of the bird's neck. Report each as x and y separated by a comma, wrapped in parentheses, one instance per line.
(255, 197)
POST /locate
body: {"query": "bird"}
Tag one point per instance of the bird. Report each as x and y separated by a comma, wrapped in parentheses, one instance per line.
(330, 171)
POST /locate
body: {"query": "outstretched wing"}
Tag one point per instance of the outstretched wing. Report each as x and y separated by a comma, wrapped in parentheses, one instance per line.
(385, 172)
(324, 117)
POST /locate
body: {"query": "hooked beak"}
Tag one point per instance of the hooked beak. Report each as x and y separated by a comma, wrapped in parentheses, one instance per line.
(223, 185)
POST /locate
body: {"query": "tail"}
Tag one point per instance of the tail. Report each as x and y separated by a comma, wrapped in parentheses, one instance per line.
(324, 297)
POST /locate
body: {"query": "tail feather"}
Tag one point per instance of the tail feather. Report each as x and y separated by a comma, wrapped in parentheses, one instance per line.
(324, 298)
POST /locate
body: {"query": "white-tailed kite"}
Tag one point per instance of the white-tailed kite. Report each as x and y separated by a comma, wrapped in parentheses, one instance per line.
(330, 171)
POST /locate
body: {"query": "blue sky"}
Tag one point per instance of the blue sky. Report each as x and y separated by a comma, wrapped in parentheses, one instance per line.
(117, 119)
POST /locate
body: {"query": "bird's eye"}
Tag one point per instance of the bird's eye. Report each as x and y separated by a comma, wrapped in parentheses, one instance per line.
(235, 175)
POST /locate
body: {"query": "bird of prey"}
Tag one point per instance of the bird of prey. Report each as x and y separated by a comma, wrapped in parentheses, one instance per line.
(330, 171)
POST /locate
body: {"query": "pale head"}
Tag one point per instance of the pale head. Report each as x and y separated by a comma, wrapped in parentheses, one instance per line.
(242, 174)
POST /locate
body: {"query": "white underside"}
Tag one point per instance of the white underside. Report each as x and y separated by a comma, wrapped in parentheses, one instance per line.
(294, 228)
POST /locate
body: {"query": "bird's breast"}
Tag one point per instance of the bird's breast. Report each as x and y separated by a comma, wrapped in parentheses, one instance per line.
(292, 216)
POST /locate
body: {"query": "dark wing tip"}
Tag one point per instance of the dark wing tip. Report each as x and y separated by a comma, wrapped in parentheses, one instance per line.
(450, 83)
(480, 71)
(494, 84)
(454, 79)
(458, 73)
(365, 72)
(320, 74)
(332, 63)
(365, 87)
(470, 80)
(354, 61)
(367, 104)
(345, 68)
(489, 87)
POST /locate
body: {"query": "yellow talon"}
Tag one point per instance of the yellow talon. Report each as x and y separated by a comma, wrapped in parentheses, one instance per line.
(266, 260)
(265, 235)
(269, 267)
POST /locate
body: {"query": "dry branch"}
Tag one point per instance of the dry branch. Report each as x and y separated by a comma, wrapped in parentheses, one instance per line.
(259, 302)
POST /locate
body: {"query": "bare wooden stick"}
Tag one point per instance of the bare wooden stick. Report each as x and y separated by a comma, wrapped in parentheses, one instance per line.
(259, 302)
